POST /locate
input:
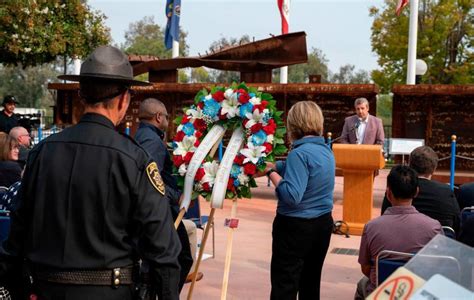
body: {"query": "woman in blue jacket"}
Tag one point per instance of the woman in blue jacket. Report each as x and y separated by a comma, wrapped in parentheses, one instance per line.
(303, 224)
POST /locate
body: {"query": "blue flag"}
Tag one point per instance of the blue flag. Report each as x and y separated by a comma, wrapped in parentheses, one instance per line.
(173, 11)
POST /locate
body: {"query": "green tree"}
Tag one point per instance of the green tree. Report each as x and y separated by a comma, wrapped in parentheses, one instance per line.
(316, 65)
(445, 42)
(346, 75)
(199, 75)
(145, 37)
(37, 32)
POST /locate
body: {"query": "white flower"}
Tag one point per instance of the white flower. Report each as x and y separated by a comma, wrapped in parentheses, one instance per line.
(243, 179)
(15, 36)
(45, 10)
(208, 97)
(254, 118)
(197, 186)
(228, 93)
(185, 146)
(180, 127)
(255, 100)
(15, 26)
(195, 113)
(230, 107)
(182, 170)
(270, 138)
(63, 5)
(26, 50)
(211, 172)
(253, 153)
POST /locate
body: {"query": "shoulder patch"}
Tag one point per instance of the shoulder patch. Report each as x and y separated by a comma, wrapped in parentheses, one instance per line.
(155, 177)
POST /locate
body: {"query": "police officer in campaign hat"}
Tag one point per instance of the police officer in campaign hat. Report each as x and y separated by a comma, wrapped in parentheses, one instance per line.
(93, 202)
(8, 119)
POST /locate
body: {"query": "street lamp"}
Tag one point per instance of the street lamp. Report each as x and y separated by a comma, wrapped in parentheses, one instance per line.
(420, 70)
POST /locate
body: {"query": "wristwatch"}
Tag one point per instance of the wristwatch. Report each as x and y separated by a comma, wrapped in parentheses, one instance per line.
(270, 172)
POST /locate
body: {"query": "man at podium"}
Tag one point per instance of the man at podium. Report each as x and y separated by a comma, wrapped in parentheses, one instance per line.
(362, 128)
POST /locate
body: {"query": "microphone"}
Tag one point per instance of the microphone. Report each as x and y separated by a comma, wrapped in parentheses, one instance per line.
(356, 125)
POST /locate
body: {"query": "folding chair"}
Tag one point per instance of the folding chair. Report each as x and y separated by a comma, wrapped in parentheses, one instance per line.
(466, 233)
(194, 214)
(449, 232)
(388, 261)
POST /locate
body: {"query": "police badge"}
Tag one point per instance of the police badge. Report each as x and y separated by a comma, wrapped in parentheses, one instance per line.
(155, 177)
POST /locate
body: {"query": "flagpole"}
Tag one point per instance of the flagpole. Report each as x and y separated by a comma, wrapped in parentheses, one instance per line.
(175, 51)
(412, 40)
(285, 14)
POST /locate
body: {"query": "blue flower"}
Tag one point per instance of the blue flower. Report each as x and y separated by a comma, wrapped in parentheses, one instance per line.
(235, 171)
(188, 129)
(211, 108)
(252, 95)
(259, 138)
(236, 182)
(245, 108)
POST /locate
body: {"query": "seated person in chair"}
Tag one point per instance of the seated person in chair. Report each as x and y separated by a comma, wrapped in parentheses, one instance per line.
(435, 199)
(401, 228)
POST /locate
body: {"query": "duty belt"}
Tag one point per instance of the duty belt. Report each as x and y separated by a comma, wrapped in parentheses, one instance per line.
(113, 277)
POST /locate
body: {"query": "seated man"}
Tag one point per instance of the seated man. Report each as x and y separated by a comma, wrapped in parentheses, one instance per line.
(435, 199)
(401, 228)
(466, 195)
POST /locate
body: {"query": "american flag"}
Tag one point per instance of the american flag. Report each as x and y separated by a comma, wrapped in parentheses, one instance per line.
(284, 7)
(401, 4)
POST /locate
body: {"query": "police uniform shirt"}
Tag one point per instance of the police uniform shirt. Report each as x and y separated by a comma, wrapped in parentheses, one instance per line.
(93, 199)
(7, 122)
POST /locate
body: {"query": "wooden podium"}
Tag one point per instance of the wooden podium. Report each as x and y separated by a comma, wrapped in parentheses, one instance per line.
(358, 163)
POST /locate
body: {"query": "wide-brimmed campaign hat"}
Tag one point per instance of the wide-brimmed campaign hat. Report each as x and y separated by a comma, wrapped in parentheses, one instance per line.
(9, 99)
(107, 63)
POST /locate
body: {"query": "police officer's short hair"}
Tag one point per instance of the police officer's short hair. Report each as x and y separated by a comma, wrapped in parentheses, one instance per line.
(149, 108)
(93, 90)
(361, 100)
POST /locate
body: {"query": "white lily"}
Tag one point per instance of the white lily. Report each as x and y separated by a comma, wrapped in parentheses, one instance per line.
(228, 93)
(182, 170)
(195, 113)
(208, 97)
(211, 172)
(230, 107)
(255, 100)
(185, 146)
(270, 138)
(254, 118)
(253, 153)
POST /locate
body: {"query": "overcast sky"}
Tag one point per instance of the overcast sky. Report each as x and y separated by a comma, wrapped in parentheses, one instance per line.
(340, 28)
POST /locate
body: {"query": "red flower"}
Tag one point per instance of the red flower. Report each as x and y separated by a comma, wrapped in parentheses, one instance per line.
(222, 116)
(179, 136)
(187, 157)
(200, 105)
(218, 96)
(206, 187)
(244, 97)
(270, 128)
(178, 160)
(239, 159)
(196, 143)
(256, 127)
(244, 122)
(185, 119)
(200, 174)
(264, 103)
(268, 146)
(197, 134)
(200, 124)
(230, 184)
(250, 169)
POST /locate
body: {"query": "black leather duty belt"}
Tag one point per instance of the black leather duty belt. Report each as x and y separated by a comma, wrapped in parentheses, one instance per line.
(114, 277)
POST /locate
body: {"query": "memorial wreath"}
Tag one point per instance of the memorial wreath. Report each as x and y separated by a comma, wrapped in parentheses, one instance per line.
(246, 112)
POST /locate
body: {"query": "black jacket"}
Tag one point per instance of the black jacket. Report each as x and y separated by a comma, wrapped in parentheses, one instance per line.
(10, 172)
(7, 122)
(437, 201)
(88, 201)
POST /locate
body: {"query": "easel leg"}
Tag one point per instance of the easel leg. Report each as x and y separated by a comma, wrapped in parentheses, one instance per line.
(228, 256)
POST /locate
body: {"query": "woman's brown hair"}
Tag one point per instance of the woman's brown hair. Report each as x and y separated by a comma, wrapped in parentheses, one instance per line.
(7, 143)
(304, 118)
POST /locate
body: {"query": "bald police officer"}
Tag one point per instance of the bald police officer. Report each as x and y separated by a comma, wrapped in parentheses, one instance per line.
(93, 202)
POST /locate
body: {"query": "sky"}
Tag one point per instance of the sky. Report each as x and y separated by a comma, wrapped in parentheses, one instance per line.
(340, 28)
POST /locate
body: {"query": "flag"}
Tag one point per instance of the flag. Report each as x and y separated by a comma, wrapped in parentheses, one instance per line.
(173, 12)
(284, 7)
(401, 4)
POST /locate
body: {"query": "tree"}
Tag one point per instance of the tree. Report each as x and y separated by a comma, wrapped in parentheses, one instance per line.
(145, 37)
(37, 32)
(199, 75)
(347, 75)
(445, 42)
(316, 65)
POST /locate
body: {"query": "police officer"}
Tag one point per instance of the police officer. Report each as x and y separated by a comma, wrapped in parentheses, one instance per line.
(93, 202)
(8, 119)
